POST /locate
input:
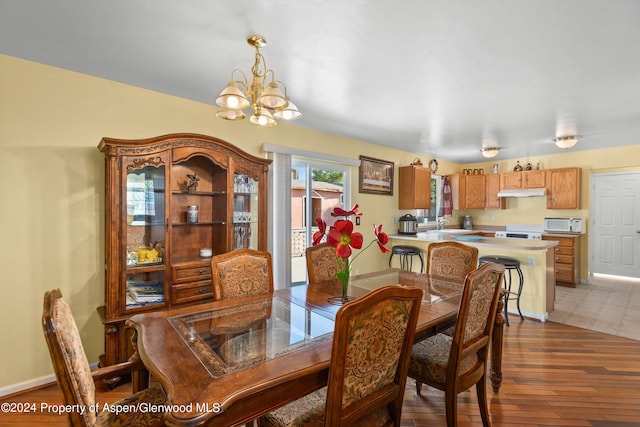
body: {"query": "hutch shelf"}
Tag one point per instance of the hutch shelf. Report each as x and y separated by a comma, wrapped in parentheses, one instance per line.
(167, 198)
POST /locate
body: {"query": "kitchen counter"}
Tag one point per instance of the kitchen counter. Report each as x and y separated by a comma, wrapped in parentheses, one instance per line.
(468, 238)
(537, 262)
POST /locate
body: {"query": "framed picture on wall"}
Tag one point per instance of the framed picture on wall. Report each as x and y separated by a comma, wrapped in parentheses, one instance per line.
(376, 176)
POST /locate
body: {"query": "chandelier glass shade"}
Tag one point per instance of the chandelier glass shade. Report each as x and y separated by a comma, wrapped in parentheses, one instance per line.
(489, 152)
(268, 101)
(566, 141)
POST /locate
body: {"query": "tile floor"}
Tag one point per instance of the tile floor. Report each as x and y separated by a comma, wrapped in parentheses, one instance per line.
(607, 304)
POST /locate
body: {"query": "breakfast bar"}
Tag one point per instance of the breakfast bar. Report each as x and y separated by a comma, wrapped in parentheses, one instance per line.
(536, 260)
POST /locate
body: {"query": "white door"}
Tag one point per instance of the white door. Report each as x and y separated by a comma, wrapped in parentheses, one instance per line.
(615, 233)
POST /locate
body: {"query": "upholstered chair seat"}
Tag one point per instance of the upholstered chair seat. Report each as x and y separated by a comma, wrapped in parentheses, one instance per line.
(308, 411)
(430, 358)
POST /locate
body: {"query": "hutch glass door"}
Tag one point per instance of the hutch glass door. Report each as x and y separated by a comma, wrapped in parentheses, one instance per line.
(145, 235)
(245, 212)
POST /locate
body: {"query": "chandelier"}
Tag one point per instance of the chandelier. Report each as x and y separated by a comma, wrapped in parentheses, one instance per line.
(566, 141)
(266, 100)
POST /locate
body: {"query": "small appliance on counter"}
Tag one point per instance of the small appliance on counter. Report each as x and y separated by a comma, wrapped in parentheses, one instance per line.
(407, 224)
(564, 225)
(467, 222)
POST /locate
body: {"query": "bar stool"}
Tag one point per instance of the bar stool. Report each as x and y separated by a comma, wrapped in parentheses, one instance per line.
(509, 265)
(406, 253)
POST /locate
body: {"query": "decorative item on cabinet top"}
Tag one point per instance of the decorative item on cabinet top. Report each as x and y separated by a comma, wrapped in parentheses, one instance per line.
(433, 165)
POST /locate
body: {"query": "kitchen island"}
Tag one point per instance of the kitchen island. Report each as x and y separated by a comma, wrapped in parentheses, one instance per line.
(536, 261)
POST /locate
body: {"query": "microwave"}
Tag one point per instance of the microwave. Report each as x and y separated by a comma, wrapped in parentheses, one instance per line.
(564, 225)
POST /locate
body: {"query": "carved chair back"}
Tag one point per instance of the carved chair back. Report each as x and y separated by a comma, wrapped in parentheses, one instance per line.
(369, 362)
(451, 261)
(322, 262)
(242, 272)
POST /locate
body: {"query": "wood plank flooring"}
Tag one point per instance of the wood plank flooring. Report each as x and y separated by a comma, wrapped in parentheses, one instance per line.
(554, 375)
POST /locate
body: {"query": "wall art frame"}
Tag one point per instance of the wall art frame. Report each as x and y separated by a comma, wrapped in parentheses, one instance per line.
(376, 176)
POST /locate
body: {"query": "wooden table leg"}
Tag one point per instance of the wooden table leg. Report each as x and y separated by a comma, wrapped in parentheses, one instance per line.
(140, 377)
(496, 346)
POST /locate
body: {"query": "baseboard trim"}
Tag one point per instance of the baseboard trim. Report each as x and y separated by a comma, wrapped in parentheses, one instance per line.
(32, 384)
(27, 385)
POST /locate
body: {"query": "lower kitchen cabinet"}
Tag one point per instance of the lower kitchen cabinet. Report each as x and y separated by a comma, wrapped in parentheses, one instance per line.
(567, 259)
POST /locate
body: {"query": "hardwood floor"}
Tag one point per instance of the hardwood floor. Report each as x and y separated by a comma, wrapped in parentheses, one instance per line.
(553, 375)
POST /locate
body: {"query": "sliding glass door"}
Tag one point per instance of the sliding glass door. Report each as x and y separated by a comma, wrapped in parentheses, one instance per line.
(316, 188)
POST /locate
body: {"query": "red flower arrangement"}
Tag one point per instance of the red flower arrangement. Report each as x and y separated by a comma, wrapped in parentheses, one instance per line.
(343, 238)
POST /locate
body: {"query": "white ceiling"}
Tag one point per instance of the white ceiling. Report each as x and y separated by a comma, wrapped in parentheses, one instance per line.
(434, 77)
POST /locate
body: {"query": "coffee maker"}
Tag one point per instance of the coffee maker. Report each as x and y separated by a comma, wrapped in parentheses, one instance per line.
(467, 223)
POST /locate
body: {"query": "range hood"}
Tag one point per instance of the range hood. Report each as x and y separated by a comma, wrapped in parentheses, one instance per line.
(523, 192)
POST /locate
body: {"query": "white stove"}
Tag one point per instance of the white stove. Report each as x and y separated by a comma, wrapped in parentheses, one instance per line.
(520, 231)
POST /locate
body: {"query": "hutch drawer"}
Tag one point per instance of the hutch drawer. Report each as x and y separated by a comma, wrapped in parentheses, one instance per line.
(190, 273)
(191, 292)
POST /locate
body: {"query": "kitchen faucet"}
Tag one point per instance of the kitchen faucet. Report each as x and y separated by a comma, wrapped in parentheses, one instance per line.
(440, 221)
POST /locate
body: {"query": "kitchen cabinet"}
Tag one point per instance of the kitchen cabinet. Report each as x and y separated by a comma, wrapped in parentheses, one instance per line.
(525, 179)
(563, 188)
(567, 259)
(167, 198)
(492, 187)
(414, 184)
(468, 191)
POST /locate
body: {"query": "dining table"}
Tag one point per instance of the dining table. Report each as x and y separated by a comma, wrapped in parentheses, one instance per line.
(227, 362)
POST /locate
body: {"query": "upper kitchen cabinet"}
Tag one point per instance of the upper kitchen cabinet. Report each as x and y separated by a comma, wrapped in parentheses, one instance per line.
(492, 184)
(468, 191)
(414, 187)
(526, 179)
(563, 188)
(171, 203)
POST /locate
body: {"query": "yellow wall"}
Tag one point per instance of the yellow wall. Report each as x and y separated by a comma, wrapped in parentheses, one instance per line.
(51, 187)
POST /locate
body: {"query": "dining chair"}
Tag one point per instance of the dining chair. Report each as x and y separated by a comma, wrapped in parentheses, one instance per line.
(454, 364)
(322, 262)
(451, 261)
(371, 344)
(77, 381)
(242, 272)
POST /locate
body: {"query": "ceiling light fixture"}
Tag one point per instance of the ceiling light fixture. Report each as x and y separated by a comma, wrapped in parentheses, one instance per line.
(489, 152)
(266, 100)
(566, 141)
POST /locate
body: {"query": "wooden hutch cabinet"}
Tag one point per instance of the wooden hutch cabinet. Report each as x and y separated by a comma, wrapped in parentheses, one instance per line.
(167, 198)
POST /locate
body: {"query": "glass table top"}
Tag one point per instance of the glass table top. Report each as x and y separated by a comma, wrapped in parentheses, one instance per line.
(229, 339)
(434, 290)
